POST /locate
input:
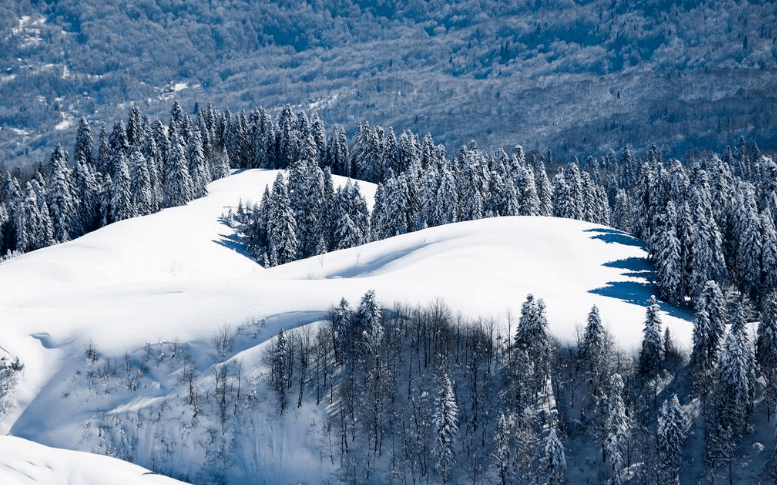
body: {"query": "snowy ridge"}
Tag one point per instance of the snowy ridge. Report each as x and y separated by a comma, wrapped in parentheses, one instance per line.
(175, 277)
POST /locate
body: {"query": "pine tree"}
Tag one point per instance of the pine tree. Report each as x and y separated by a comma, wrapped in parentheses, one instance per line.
(368, 324)
(623, 212)
(446, 426)
(84, 148)
(446, 200)
(617, 428)
(282, 227)
(736, 384)
(502, 449)
(197, 165)
(140, 183)
(766, 349)
(528, 199)
(280, 375)
(532, 338)
(667, 257)
(121, 206)
(62, 203)
(671, 436)
(594, 352)
(177, 181)
(554, 461)
(135, 133)
(651, 355)
(544, 191)
(702, 363)
(769, 253)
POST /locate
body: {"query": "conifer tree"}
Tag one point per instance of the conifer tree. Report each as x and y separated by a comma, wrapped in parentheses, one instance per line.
(140, 183)
(651, 355)
(766, 349)
(62, 203)
(197, 164)
(594, 354)
(667, 257)
(671, 436)
(446, 200)
(617, 429)
(622, 213)
(532, 338)
(282, 227)
(121, 206)
(554, 461)
(84, 148)
(446, 426)
(177, 181)
(544, 191)
(736, 384)
(368, 324)
(280, 363)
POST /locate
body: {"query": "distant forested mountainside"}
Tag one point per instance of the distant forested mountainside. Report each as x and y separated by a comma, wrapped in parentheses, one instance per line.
(576, 77)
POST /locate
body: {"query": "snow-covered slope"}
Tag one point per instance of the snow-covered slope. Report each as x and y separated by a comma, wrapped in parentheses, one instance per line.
(176, 277)
(23, 462)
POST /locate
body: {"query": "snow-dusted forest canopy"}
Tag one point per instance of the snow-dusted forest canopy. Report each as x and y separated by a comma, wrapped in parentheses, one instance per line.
(576, 77)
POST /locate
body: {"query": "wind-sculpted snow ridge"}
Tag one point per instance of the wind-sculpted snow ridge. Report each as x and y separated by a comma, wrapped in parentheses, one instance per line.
(169, 281)
(23, 462)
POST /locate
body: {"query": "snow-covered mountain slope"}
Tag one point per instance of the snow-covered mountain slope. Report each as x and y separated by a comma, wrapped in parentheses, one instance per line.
(176, 276)
(23, 462)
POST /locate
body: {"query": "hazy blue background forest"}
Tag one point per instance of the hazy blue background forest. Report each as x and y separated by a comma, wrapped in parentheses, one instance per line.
(575, 77)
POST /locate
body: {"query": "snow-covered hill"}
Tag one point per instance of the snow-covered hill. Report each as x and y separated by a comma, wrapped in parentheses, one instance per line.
(23, 462)
(176, 276)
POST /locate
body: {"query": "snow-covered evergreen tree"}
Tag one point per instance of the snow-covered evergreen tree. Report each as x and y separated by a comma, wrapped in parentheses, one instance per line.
(445, 419)
(617, 431)
(62, 203)
(283, 245)
(178, 188)
(766, 349)
(651, 355)
(554, 461)
(671, 437)
(140, 183)
(594, 354)
(121, 206)
(667, 256)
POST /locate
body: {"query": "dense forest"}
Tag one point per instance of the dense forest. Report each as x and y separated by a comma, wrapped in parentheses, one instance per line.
(578, 76)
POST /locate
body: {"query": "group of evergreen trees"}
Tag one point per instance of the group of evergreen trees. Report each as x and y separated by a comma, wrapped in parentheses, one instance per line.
(416, 393)
(714, 220)
(138, 169)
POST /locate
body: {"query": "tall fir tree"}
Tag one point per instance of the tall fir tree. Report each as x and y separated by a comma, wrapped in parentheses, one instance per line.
(651, 355)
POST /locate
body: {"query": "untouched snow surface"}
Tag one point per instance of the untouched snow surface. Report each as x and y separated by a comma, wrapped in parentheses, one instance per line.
(177, 276)
(23, 462)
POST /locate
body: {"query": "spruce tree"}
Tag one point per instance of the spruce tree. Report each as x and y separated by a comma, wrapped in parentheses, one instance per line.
(282, 227)
(651, 355)
(666, 254)
(617, 432)
(594, 352)
(121, 206)
(446, 426)
(735, 386)
(766, 349)
(140, 183)
(61, 200)
(84, 148)
(177, 181)
(554, 461)
(671, 436)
